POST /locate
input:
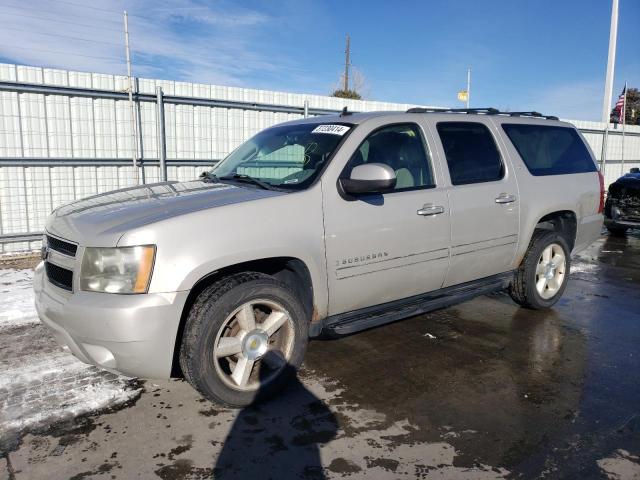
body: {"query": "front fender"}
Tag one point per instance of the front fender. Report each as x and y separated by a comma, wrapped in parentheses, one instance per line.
(192, 246)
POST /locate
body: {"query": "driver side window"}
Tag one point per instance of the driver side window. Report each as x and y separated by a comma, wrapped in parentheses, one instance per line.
(402, 148)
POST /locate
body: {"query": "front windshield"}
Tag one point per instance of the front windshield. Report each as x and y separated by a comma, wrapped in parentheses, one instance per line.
(290, 156)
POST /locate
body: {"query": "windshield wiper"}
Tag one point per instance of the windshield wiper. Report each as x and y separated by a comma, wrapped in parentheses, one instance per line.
(209, 176)
(248, 179)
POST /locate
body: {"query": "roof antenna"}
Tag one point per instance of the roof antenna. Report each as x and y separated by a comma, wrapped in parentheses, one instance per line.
(345, 112)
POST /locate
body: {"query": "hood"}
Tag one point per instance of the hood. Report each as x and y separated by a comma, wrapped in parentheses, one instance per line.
(102, 219)
(627, 185)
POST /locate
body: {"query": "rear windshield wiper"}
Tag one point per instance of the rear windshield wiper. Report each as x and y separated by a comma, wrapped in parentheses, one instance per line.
(247, 179)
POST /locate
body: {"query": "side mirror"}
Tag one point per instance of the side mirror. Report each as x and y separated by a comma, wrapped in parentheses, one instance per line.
(634, 170)
(369, 178)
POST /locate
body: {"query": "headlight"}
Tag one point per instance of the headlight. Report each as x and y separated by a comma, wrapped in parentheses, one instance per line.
(117, 270)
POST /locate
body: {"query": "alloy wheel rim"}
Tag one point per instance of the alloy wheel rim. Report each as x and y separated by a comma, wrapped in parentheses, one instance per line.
(550, 271)
(253, 345)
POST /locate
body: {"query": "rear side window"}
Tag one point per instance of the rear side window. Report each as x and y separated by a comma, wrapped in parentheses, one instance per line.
(471, 152)
(550, 150)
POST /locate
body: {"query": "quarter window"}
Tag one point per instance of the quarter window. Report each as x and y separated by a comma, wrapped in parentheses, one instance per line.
(401, 147)
(471, 152)
(550, 150)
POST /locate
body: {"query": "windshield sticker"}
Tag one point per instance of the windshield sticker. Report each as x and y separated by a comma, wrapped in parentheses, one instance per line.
(332, 129)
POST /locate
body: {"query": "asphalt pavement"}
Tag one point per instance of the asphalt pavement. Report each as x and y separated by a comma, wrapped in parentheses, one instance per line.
(481, 390)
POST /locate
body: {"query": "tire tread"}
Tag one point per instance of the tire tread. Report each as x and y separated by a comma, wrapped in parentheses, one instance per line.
(189, 358)
(208, 297)
(520, 289)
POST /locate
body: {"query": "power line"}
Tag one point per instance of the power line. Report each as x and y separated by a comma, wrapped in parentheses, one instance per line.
(82, 5)
(62, 36)
(168, 9)
(118, 12)
(16, 7)
(61, 53)
(61, 21)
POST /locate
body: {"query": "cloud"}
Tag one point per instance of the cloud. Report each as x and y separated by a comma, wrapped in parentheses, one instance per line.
(179, 39)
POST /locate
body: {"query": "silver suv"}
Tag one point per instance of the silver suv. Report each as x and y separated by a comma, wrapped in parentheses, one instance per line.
(322, 226)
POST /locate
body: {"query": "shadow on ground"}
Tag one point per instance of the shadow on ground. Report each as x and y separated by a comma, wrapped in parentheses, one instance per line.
(266, 441)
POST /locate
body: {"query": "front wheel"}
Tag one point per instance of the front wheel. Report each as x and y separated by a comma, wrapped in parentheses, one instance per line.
(542, 276)
(245, 336)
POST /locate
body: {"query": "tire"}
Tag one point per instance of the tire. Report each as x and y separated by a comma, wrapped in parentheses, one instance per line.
(209, 368)
(617, 230)
(524, 289)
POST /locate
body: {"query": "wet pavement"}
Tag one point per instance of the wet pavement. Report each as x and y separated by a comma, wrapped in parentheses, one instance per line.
(480, 390)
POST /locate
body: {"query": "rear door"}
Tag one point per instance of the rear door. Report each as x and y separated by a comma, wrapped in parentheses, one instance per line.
(483, 198)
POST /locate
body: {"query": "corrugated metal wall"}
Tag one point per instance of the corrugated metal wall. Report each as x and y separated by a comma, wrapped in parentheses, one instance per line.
(85, 145)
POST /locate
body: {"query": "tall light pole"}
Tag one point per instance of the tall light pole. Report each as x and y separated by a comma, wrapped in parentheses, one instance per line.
(608, 84)
(611, 63)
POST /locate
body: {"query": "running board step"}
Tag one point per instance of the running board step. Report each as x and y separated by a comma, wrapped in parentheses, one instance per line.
(357, 320)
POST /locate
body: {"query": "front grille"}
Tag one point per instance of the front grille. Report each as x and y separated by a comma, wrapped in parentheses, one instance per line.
(61, 246)
(631, 216)
(60, 277)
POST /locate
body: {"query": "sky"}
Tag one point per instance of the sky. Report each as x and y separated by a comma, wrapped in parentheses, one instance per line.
(544, 55)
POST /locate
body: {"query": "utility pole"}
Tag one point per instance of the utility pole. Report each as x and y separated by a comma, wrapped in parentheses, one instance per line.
(134, 134)
(347, 54)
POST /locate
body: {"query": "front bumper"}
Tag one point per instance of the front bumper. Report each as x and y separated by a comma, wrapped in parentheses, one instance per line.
(131, 334)
(619, 222)
(623, 212)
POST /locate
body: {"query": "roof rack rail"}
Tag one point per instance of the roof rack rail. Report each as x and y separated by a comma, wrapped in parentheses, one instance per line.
(485, 111)
(530, 114)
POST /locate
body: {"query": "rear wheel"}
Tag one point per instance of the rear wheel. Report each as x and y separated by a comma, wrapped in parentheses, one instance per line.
(542, 276)
(244, 338)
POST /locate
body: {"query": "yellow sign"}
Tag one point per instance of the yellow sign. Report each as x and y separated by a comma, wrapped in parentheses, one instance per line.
(463, 95)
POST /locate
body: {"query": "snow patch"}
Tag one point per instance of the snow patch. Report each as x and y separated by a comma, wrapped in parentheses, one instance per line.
(584, 267)
(621, 465)
(40, 383)
(16, 298)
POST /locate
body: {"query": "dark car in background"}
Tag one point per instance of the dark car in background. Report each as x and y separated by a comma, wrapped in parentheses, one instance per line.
(622, 209)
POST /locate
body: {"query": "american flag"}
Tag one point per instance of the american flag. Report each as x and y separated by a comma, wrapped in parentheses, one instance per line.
(620, 104)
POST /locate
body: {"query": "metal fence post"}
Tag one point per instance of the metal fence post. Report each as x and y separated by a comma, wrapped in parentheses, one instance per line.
(162, 140)
(603, 155)
(306, 108)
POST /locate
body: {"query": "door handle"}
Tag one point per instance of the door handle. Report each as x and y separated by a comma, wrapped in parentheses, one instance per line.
(430, 209)
(505, 198)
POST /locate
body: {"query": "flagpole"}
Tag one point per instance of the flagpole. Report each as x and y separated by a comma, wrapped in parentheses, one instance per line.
(624, 122)
(468, 86)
